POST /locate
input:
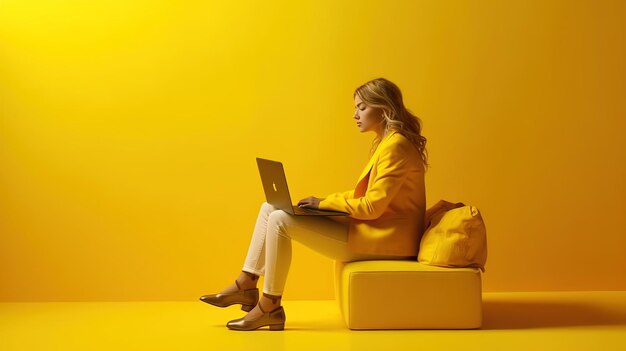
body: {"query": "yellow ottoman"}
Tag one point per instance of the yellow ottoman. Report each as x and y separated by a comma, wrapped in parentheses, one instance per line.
(394, 294)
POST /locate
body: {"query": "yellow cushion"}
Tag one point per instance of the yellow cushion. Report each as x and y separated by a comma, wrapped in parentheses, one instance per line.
(394, 294)
(455, 237)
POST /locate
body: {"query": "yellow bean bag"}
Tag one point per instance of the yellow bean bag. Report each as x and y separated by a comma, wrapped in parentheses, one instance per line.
(456, 237)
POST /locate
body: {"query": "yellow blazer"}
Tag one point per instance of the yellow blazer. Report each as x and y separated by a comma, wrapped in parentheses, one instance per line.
(388, 205)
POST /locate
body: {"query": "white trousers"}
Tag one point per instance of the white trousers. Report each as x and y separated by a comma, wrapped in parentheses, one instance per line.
(269, 253)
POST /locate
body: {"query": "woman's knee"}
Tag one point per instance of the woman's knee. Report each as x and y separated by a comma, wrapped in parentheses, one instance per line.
(277, 215)
(277, 222)
(267, 207)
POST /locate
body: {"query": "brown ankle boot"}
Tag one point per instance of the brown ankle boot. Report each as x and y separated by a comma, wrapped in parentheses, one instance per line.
(275, 319)
(248, 298)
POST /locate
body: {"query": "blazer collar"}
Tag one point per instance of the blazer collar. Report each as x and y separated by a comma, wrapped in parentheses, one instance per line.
(376, 152)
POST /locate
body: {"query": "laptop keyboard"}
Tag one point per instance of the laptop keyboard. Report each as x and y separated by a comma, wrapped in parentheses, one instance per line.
(297, 209)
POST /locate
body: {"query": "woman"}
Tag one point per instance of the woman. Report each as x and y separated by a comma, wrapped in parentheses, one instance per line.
(386, 212)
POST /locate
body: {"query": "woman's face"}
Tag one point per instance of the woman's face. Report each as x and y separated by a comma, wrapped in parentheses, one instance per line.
(367, 118)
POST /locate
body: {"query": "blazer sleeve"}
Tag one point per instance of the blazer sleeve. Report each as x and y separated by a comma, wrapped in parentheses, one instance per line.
(347, 194)
(391, 171)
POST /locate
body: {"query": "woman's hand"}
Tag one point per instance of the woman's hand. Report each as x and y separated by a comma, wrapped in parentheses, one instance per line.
(310, 202)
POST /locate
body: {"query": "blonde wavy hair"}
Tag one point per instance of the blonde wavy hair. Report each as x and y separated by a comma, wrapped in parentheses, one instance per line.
(384, 94)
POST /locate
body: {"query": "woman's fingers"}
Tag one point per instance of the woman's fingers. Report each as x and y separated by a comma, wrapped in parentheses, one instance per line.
(305, 202)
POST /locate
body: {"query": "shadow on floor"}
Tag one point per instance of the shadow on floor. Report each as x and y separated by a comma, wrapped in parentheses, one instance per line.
(527, 315)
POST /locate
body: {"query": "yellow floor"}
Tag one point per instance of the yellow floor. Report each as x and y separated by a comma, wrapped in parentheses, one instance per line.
(512, 321)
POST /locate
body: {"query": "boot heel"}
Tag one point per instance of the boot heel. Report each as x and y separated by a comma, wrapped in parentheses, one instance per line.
(277, 326)
(247, 308)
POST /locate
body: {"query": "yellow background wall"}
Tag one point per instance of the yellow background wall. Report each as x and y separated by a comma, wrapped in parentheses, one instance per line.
(129, 131)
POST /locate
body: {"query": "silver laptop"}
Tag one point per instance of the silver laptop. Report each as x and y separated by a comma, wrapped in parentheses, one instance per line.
(277, 193)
